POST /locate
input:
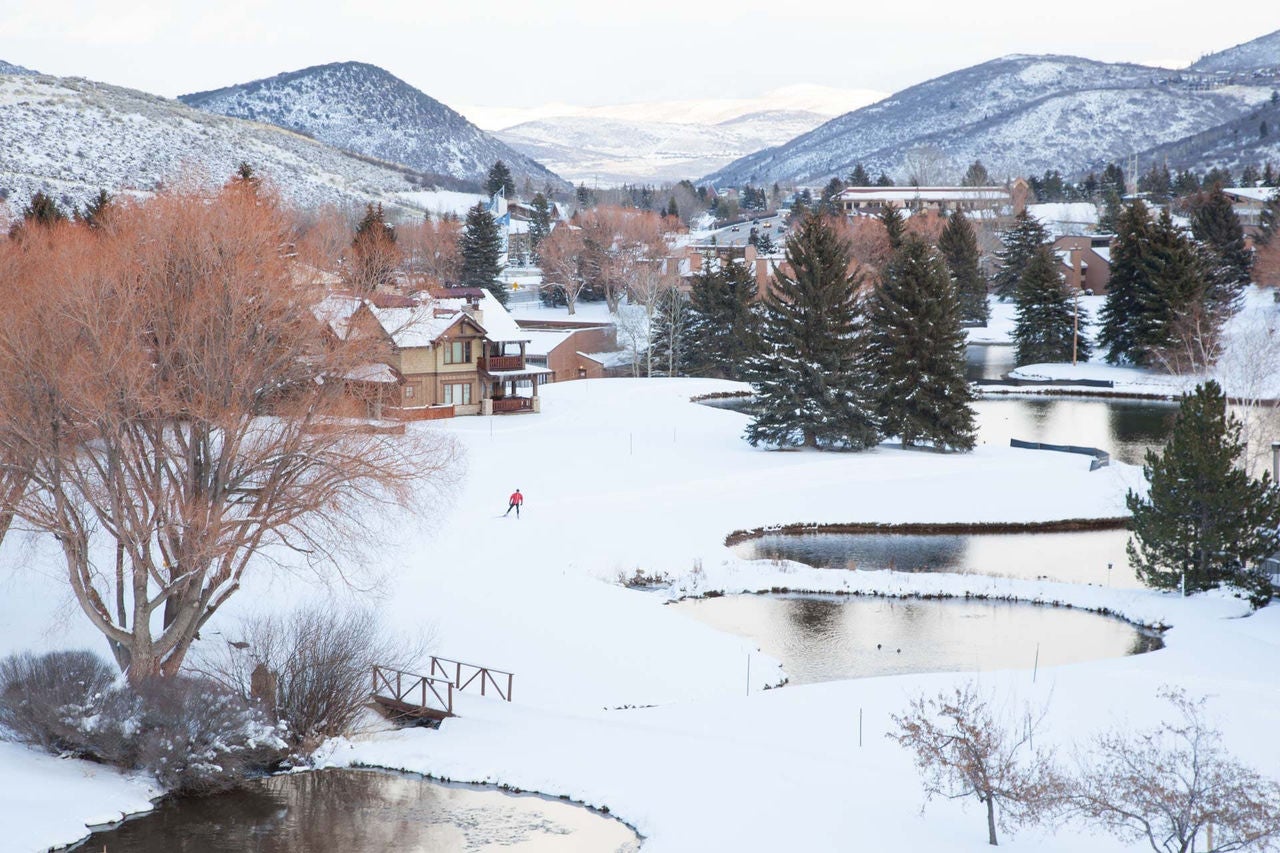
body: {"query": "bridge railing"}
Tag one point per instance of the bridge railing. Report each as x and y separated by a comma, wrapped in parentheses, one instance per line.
(425, 693)
(463, 675)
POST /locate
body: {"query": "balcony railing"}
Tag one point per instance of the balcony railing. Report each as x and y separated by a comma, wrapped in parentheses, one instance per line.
(512, 404)
(503, 362)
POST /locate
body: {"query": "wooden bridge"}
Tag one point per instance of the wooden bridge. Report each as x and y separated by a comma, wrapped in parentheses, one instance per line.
(407, 695)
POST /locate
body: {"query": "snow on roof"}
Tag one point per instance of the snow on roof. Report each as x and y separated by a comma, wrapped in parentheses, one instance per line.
(372, 372)
(925, 193)
(1064, 255)
(1085, 212)
(542, 342)
(1251, 193)
(498, 323)
(421, 325)
(335, 311)
(1103, 252)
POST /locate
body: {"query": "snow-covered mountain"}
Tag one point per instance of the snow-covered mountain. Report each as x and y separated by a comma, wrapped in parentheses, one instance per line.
(72, 137)
(10, 68)
(1019, 115)
(1250, 140)
(362, 108)
(1262, 52)
(608, 151)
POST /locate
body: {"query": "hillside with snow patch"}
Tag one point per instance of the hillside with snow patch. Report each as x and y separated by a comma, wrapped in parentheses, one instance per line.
(362, 108)
(71, 137)
(1262, 52)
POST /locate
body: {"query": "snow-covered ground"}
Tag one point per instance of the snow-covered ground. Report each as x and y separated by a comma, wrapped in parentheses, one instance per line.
(621, 475)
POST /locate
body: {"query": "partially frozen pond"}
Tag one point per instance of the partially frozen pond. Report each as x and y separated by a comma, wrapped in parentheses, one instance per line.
(829, 638)
(1082, 557)
(354, 811)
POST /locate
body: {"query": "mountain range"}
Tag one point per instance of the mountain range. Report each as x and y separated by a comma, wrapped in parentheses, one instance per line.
(362, 108)
(1024, 114)
(70, 137)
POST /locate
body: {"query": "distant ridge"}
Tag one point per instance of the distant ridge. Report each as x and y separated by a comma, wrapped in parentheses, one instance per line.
(10, 68)
(1262, 52)
(365, 109)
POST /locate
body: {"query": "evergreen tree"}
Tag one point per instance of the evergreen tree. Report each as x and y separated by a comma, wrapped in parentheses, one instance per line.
(810, 376)
(480, 245)
(1250, 176)
(976, 175)
(1215, 224)
(672, 209)
(1123, 315)
(859, 177)
(1157, 184)
(1269, 219)
(765, 244)
(959, 247)
(1019, 243)
(500, 179)
(1112, 181)
(830, 206)
(246, 177)
(373, 256)
(884, 180)
(724, 323)
(1185, 184)
(1204, 518)
(1181, 305)
(895, 224)
(918, 352)
(1110, 217)
(1048, 328)
(42, 210)
(540, 222)
(97, 210)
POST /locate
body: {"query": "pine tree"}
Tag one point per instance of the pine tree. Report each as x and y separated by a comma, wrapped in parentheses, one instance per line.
(1129, 289)
(829, 205)
(95, 213)
(1019, 243)
(1269, 219)
(42, 210)
(895, 224)
(480, 245)
(959, 247)
(918, 352)
(976, 175)
(1048, 327)
(540, 222)
(500, 179)
(373, 257)
(859, 177)
(673, 209)
(1112, 181)
(1204, 518)
(810, 377)
(1182, 309)
(1109, 219)
(884, 180)
(765, 244)
(724, 321)
(1215, 224)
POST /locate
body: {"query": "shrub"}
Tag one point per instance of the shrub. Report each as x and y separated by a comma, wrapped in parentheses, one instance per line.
(46, 699)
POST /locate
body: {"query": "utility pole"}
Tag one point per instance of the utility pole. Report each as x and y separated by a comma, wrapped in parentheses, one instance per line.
(1075, 328)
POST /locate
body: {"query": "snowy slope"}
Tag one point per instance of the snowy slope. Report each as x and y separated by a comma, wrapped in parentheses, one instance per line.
(1233, 144)
(362, 108)
(1262, 52)
(1017, 113)
(613, 151)
(10, 68)
(71, 137)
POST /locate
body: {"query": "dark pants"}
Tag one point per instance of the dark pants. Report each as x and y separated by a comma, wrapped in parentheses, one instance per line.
(511, 506)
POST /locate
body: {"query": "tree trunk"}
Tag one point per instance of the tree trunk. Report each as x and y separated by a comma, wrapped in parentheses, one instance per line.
(991, 821)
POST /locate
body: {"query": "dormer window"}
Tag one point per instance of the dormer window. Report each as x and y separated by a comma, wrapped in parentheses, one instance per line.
(457, 352)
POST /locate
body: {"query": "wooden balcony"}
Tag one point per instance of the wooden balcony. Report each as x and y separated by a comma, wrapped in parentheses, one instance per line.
(502, 405)
(495, 363)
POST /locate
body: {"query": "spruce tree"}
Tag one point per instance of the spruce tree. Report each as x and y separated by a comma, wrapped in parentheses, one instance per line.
(1215, 224)
(480, 245)
(97, 210)
(1181, 300)
(884, 180)
(895, 224)
(1019, 243)
(373, 257)
(1204, 518)
(918, 352)
(724, 321)
(540, 222)
(859, 177)
(42, 210)
(810, 376)
(1047, 328)
(500, 179)
(976, 175)
(1269, 219)
(959, 247)
(1124, 314)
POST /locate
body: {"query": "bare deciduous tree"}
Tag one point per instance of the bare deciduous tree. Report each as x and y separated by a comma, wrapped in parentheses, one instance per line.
(926, 166)
(430, 251)
(1168, 785)
(560, 255)
(165, 388)
(963, 748)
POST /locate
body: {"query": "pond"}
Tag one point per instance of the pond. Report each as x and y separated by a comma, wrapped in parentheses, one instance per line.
(1081, 557)
(364, 811)
(829, 638)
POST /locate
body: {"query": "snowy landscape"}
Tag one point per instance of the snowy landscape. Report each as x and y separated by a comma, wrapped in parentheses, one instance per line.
(685, 506)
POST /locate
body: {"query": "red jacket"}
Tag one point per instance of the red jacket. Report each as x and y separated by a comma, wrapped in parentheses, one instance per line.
(517, 498)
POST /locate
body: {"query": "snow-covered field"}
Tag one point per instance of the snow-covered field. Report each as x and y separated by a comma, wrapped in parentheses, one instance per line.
(621, 475)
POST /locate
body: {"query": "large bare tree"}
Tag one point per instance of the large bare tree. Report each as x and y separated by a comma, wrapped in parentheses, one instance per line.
(168, 394)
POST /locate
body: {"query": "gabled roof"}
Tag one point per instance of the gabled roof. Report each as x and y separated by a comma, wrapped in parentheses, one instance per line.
(421, 325)
(499, 325)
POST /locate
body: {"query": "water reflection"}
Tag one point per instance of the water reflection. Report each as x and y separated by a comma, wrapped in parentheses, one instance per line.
(862, 637)
(1067, 557)
(350, 811)
(1124, 428)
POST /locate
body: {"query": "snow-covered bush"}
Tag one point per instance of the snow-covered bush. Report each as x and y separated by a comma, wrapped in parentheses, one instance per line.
(194, 735)
(45, 699)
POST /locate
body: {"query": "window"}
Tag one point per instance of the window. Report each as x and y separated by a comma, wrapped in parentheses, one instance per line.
(457, 394)
(408, 392)
(457, 352)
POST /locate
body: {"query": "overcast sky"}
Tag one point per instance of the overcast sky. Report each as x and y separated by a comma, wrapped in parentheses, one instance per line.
(508, 53)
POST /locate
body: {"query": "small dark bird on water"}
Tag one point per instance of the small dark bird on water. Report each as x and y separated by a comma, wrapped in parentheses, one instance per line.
(899, 651)
(877, 645)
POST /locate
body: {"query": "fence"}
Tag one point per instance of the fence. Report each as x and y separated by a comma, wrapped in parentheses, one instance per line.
(1101, 458)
